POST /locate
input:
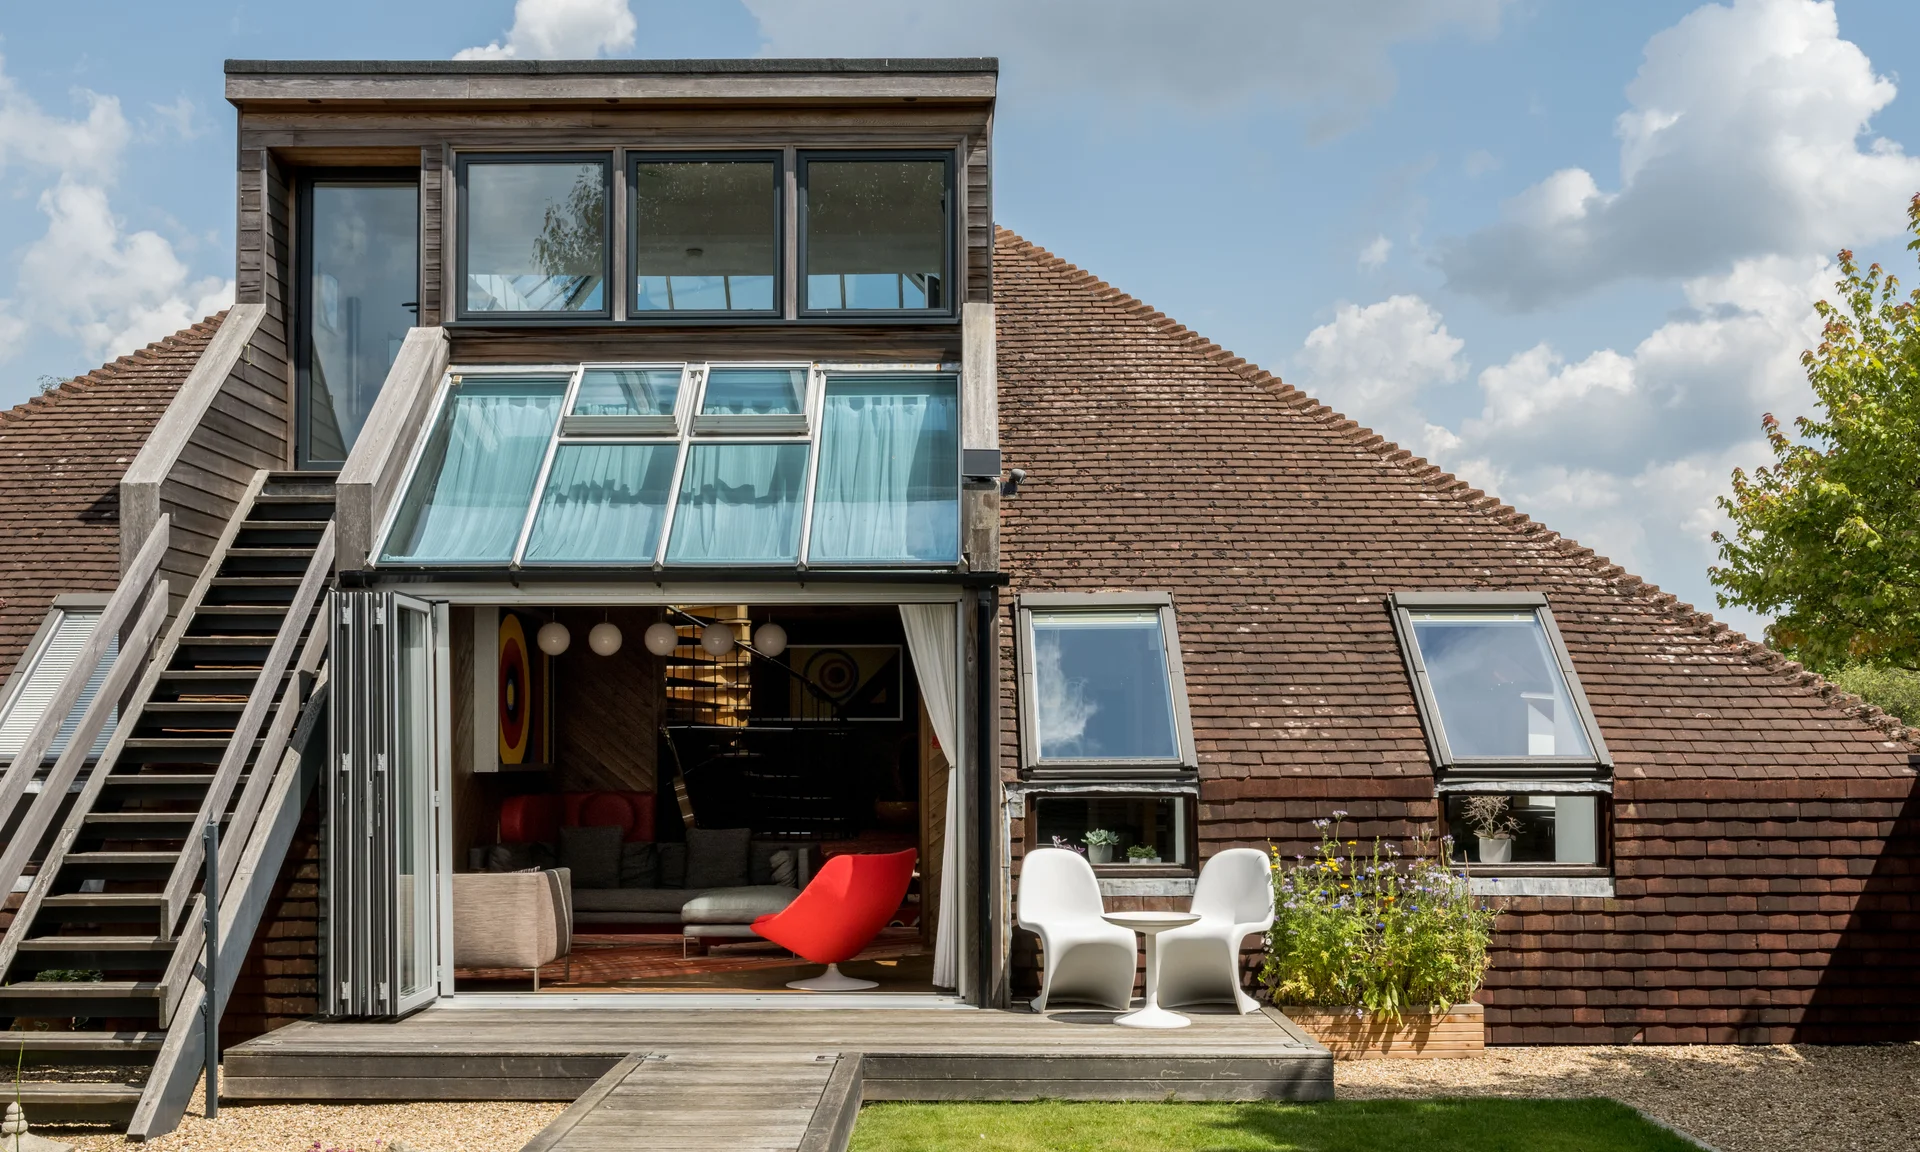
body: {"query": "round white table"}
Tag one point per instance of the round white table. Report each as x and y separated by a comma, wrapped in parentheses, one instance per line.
(1150, 925)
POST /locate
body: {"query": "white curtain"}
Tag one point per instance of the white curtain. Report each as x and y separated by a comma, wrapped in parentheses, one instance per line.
(740, 503)
(933, 639)
(475, 502)
(604, 502)
(880, 443)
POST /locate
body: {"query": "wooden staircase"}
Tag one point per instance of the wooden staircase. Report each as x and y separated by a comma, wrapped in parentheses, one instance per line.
(98, 964)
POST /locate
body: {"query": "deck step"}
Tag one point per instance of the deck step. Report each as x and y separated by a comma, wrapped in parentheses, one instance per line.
(79, 1103)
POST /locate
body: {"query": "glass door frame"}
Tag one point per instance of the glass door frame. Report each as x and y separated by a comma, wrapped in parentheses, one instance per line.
(429, 824)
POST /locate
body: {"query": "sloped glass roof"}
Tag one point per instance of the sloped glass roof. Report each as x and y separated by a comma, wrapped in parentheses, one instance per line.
(695, 465)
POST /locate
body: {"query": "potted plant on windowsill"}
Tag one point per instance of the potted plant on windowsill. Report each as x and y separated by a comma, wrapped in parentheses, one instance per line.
(1143, 854)
(1100, 845)
(1494, 826)
(1375, 953)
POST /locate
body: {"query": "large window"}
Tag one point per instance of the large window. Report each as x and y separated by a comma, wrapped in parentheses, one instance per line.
(876, 233)
(706, 234)
(1529, 829)
(1102, 686)
(694, 465)
(1143, 834)
(359, 293)
(534, 236)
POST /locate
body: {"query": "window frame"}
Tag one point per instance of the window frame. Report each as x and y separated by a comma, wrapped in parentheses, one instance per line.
(824, 374)
(1401, 605)
(463, 216)
(1186, 795)
(949, 248)
(1184, 766)
(574, 426)
(631, 276)
(788, 425)
(1603, 833)
(302, 287)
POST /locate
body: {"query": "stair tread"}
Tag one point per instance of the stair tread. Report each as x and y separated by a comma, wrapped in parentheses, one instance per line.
(95, 944)
(78, 1092)
(268, 553)
(121, 857)
(104, 899)
(142, 817)
(158, 778)
(166, 706)
(238, 610)
(138, 1041)
(210, 741)
(82, 989)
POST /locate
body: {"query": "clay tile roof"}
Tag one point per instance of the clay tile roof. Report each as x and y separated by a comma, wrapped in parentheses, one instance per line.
(1156, 460)
(61, 458)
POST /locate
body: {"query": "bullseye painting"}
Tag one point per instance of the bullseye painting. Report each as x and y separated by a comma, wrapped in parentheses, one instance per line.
(520, 686)
(856, 682)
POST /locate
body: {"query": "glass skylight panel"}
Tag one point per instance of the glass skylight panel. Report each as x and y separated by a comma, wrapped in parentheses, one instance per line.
(706, 235)
(622, 401)
(470, 490)
(1497, 685)
(603, 504)
(888, 490)
(740, 504)
(534, 236)
(1101, 686)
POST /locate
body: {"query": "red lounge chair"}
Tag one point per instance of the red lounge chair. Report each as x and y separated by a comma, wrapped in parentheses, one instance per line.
(839, 913)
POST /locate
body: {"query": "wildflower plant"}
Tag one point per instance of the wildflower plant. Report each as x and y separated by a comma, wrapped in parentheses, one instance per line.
(1383, 931)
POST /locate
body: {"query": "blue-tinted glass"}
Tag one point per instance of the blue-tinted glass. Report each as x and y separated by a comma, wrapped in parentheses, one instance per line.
(1101, 687)
(1498, 685)
(889, 485)
(627, 392)
(876, 233)
(755, 391)
(360, 303)
(470, 493)
(740, 504)
(604, 503)
(536, 237)
(705, 235)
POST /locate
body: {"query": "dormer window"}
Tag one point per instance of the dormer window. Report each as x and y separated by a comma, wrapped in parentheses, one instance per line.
(876, 232)
(535, 236)
(611, 401)
(706, 234)
(752, 398)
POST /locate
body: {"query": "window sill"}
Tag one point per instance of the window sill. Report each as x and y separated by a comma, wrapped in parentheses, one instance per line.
(1504, 885)
(1146, 886)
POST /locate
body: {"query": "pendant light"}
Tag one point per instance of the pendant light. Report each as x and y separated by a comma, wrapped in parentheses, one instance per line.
(716, 639)
(553, 638)
(604, 638)
(661, 639)
(769, 639)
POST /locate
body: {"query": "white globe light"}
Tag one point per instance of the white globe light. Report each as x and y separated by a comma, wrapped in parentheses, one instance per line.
(662, 639)
(770, 639)
(716, 639)
(604, 639)
(553, 638)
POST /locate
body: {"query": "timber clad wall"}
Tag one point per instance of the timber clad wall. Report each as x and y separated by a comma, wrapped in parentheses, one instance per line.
(279, 981)
(1766, 835)
(435, 181)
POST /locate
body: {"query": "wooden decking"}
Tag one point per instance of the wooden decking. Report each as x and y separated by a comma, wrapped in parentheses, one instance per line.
(770, 1078)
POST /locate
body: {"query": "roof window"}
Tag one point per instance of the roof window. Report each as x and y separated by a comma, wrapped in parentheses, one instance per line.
(1103, 692)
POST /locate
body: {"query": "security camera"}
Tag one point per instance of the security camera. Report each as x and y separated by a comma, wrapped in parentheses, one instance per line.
(1011, 486)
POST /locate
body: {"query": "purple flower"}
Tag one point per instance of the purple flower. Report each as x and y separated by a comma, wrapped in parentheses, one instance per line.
(1339, 813)
(1321, 823)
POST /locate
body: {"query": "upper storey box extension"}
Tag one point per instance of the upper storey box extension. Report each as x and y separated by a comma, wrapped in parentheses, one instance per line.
(608, 211)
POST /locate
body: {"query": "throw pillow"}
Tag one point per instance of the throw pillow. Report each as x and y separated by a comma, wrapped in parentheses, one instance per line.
(593, 854)
(673, 864)
(639, 866)
(717, 857)
(783, 870)
(509, 857)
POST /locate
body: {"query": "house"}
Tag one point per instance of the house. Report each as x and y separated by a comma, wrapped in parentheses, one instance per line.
(611, 464)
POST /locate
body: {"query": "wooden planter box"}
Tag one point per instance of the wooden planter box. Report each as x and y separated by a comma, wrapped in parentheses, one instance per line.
(1419, 1035)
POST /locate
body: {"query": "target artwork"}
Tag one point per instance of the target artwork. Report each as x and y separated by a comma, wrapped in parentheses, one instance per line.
(860, 682)
(521, 704)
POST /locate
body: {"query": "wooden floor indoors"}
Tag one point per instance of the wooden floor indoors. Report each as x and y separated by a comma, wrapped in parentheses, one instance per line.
(898, 959)
(679, 1078)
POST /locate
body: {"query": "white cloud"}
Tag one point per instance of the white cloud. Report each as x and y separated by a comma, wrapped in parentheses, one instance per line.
(1330, 59)
(86, 278)
(1376, 252)
(1379, 358)
(561, 30)
(1745, 135)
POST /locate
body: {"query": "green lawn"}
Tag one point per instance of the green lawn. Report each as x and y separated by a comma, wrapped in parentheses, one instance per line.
(1479, 1125)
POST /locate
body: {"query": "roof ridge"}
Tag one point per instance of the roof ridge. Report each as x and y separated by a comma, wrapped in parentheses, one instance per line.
(1445, 484)
(108, 372)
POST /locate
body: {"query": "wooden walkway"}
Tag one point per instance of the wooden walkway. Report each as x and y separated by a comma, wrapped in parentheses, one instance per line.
(786, 1079)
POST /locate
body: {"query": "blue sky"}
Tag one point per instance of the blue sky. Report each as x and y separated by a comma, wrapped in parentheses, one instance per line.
(1566, 249)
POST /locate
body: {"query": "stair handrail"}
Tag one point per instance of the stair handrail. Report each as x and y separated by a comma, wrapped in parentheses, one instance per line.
(186, 868)
(246, 890)
(240, 824)
(127, 597)
(371, 477)
(135, 646)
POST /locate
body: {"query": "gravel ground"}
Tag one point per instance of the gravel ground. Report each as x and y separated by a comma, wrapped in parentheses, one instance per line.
(1814, 1099)
(422, 1127)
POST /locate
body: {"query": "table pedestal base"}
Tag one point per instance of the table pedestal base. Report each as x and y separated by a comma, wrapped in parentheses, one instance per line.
(1153, 1016)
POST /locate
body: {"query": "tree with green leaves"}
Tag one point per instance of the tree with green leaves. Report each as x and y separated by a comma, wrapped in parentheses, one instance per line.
(1826, 539)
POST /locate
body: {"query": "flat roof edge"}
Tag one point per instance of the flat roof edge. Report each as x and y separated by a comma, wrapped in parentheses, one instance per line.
(752, 66)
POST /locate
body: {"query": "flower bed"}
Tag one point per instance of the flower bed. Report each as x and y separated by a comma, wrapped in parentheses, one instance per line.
(1378, 953)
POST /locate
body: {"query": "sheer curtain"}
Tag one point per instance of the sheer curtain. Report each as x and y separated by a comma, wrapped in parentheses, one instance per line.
(889, 478)
(471, 506)
(604, 502)
(933, 639)
(740, 503)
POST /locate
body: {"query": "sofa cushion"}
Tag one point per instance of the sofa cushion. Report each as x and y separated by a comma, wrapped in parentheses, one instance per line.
(717, 857)
(673, 864)
(639, 866)
(736, 905)
(630, 899)
(593, 854)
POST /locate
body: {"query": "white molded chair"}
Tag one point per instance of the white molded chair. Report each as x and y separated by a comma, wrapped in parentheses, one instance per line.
(1083, 958)
(1200, 964)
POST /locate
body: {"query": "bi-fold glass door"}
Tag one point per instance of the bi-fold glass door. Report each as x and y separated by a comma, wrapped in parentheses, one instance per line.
(385, 813)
